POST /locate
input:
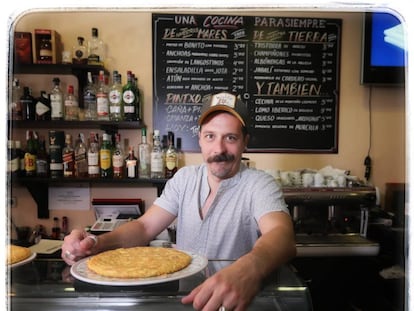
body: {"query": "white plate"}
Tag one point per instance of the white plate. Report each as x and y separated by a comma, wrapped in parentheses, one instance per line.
(81, 272)
(25, 261)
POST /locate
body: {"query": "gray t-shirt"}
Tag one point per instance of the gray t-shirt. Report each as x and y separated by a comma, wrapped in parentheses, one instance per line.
(230, 227)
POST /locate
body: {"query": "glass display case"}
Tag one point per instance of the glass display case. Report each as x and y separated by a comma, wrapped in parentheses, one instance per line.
(48, 284)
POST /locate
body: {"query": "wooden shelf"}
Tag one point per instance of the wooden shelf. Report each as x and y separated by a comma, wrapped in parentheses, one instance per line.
(103, 125)
(79, 71)
(59, 69)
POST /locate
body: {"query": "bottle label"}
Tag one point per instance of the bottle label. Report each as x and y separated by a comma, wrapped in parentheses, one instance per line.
(115, 109)
(45, 51)
(56, 166)
(41, 167)
(41, 108)
(57, 105)
(118, 162)
(29, 162)
(55, 154)
(105, 155)
(115, 97)
(131, 165)
(129, 109)
(71, 103)
(128, 97)
(89, 97)
(93, 159)
(56, 98)
(81, 163)
(68, 163)
(93, 58)
(144, 162)
(79, 53)
(156, 162)
(102, 105)
(14, 165)
(93, 170)
(171, 162)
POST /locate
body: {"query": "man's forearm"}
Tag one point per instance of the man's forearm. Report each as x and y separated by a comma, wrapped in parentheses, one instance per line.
(128, 235)
(274, 248)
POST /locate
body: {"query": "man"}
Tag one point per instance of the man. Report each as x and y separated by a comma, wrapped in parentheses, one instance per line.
(224, 210)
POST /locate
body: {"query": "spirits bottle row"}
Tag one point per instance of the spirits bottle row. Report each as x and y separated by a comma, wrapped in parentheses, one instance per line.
(93, 157)
(101, 100)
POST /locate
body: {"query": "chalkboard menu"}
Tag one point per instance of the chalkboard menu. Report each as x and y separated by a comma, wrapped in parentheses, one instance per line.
(285, 68)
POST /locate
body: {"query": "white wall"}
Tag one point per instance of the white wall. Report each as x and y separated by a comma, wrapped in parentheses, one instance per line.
(128, 36)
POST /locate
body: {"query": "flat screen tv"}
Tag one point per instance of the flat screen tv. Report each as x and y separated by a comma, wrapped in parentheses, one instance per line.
(383, 49)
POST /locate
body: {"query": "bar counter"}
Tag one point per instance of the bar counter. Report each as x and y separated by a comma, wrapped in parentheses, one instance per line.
(47, 284)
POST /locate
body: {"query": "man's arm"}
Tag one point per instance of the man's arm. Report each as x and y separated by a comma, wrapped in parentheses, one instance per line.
(277, 244)
(235, 286)
(138, 232)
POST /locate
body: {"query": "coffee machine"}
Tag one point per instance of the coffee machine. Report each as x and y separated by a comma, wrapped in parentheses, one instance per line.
(332, 221)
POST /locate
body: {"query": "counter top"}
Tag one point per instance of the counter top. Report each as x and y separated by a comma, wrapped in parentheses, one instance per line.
(48, 284)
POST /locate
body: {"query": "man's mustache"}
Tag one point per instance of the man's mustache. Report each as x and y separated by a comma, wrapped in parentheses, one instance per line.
(223, 157)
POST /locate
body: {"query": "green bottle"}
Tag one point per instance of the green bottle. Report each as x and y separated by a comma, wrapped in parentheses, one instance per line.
(105, 157)
(129, 99)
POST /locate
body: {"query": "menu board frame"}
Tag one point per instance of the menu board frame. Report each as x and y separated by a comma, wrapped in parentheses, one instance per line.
(286, 70)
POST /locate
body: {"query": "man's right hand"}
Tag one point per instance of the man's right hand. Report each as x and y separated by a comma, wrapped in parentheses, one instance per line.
(77, 245)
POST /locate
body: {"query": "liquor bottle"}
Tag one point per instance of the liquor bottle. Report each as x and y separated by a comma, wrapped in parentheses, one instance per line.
(45, 50)
(115, 98)
(131, 164)
(28, 103)
(118, 158)
(138, 104)
(102, 100)
(144, 152)
(20, 153)
(81, 162)
(42, 159)
(56, 144)
(129, 99)
(171, 158)
(89, 99)
(55, 229)
(43, 109)
(80, 52)
(65, 227)
(96, 49)
(56, 100)
(68, 156)
(71, 105)
(180, 153)
(13, 160)
(157, 157)
(105, 157)
(30, 154)
(164, 143)
(11, 154)
(16, 106)
(93, 156)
